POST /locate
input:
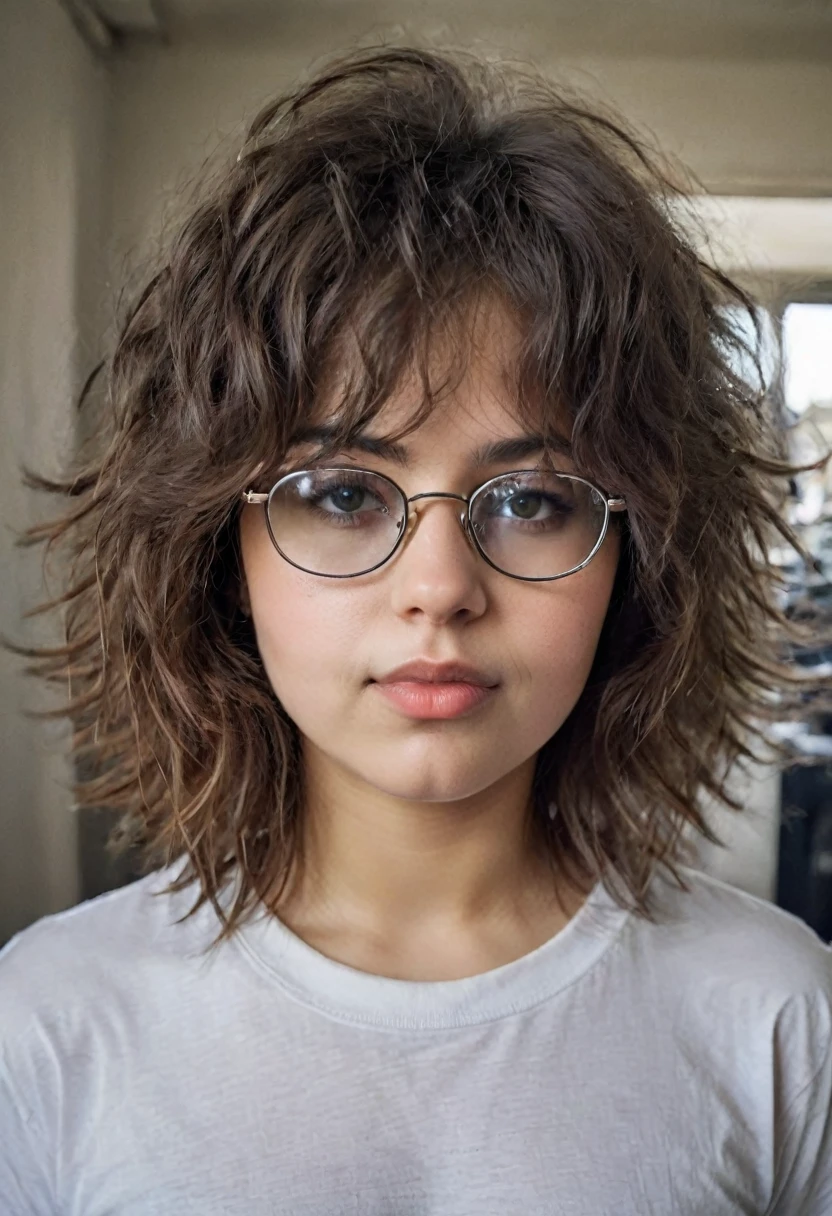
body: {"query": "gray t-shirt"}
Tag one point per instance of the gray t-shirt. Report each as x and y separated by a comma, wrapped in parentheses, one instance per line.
(621, 1069)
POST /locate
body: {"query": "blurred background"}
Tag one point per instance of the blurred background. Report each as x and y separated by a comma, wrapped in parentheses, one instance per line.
(109, 107)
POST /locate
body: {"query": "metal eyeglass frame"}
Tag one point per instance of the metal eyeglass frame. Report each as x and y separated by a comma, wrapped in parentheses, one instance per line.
(610, 504)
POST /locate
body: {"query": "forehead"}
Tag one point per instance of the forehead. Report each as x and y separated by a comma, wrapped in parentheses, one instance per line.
(463, 394)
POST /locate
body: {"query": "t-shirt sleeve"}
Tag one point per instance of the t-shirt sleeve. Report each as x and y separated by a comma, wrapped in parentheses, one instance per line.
(24, 1189)
(803, 1141)
(28, 1089)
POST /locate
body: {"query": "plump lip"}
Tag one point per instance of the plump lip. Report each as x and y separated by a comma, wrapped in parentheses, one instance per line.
(427, 672)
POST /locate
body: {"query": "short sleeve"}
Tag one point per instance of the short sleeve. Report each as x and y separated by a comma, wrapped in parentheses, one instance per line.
(24, 1186)
(803, 1137)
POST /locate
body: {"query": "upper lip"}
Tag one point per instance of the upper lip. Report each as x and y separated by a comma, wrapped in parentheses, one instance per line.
(437, 673)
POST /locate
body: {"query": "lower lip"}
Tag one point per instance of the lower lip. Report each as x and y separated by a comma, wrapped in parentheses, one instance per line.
(421, 700)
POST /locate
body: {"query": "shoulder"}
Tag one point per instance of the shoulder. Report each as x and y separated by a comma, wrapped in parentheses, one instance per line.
(723, 953)
(62, 960)
(718, 931)
(728, 931)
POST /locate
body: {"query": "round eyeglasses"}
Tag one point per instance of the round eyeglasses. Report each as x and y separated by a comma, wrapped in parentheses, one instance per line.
(341, 521)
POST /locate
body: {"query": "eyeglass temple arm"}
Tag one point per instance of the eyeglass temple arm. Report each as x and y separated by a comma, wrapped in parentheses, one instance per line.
(251, 497)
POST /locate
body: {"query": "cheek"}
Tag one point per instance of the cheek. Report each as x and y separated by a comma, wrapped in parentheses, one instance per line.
(561, 638)
(306, 627)
(562, 623)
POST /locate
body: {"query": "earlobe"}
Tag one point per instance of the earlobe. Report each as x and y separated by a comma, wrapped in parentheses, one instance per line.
(244, 600)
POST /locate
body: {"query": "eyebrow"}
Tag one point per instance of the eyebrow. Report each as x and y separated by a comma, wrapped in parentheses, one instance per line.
(516, 448)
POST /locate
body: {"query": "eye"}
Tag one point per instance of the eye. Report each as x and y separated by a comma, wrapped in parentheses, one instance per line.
(531, 502)
(347, 493)
(341, 497)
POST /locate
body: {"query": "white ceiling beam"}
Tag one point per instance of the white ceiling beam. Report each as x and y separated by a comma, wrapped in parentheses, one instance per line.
(770, 235)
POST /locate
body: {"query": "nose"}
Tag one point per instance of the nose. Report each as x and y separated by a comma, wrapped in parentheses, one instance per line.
(432, 573)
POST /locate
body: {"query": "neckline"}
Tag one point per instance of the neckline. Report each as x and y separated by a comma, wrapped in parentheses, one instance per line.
(361, 998)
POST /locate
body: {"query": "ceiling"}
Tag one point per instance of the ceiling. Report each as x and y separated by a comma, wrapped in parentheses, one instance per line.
(745, 29)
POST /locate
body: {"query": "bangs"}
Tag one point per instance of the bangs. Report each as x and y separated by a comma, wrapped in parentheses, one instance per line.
(361, 252)
(419, 354)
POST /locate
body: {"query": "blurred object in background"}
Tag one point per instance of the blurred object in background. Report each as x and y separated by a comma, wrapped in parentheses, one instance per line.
(804, 877)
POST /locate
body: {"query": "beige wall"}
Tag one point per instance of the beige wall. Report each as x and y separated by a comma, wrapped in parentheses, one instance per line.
(54, 106)
(754, 128)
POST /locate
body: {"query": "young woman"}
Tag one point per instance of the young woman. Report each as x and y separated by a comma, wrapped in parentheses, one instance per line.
(418, 596)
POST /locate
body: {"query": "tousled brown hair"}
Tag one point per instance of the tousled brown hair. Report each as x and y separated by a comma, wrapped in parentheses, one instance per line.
(376, 202)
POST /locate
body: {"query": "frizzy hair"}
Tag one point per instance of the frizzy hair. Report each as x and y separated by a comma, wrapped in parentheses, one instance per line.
(367, 209)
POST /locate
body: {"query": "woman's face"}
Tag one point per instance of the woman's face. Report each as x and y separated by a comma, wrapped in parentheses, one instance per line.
(323, 640)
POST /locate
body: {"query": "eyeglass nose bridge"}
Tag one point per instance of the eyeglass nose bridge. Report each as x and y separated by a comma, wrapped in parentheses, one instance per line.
(463, 515)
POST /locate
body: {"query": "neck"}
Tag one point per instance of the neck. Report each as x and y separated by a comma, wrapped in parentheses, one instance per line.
(385, 879)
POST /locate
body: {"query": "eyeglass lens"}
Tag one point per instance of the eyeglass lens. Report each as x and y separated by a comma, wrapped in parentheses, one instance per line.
(535, 524)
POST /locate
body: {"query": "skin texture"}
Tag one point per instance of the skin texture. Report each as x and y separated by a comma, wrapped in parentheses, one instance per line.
(419, 863)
